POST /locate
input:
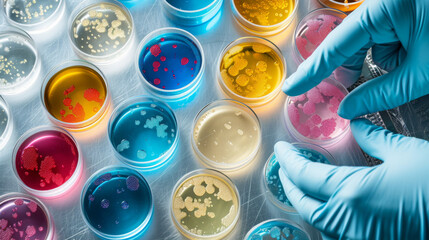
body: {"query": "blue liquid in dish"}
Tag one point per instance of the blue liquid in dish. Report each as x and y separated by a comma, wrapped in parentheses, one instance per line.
(170, 61)
(272, 174)
(118, 202)
(190, 5)
(143, 133)
(276, 230)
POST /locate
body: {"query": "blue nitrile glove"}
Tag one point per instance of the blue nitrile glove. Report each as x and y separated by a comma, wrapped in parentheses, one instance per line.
(388, 201)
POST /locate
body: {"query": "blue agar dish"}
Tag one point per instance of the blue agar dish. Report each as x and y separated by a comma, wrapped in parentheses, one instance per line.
(117, 203)
(271, 173)
(144, 133)
(171, 63)
(191, 12)
(277, 229)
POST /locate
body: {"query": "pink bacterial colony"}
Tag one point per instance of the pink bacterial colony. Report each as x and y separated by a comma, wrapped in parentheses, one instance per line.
(314, 114)
(316, 31)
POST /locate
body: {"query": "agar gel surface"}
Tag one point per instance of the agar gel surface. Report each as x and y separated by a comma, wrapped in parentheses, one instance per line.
(75, 94)
(314, 114)
(205, 204)
(227, 135)
(251, 70)
(314, 32)
(170, 61)
(30, 11)
(143, 132)
(46, 160)
(190, 5)
(117, 202)
(265, 12)
(276, 230)
(22, 218)
(101, 29)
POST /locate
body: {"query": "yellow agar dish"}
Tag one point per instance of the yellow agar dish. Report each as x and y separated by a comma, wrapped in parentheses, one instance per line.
(205, 206)
(251, 70)
(227, 135)
(265, 12)
(75, 94)
(342, 5)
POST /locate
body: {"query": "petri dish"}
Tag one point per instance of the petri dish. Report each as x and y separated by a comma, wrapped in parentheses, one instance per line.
(47, 161)
(6, 123)
(226, 135)
(116, 203)
(170, 62)
(19, 61)
(24, 217)
(144, 132)
(33, 14)
(276, 229)
(264, 17)
(101, 30)
(191, 12)
(312, 117)
(313, 29)
(342, 5)
(205, 205)
(272, 183)
(251, 70)
(75, 95)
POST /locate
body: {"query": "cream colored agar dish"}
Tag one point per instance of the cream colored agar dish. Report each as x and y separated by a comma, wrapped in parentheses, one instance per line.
(227, 136)
(101, 29)
(205, 206)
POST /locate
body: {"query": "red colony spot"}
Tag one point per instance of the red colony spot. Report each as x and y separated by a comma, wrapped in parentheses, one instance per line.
(79, 112)
(155, 50)
(71, 107)
(92, 94)
(58, 179)
(32, 206)
(163, 58)
(192, 69)
(184, 61)
(156, 64)
(144, 71)
(19, 202)
(147, 48)
(192, 75)
(162, 39)
(28, 214)
(30, 231)
(62, 111)
(195, 61)
(29, 158)
(69, 90)
(174, 46)
(165, 69)
(3, 224)
(155, 69)
(46, 167)
(6, 234)
(14, 215)
(21, 233)
(156, 81)
(67, 101)
(163, 86)
(40, 229)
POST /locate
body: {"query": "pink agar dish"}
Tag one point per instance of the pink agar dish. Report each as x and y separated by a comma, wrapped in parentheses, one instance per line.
(313, 117)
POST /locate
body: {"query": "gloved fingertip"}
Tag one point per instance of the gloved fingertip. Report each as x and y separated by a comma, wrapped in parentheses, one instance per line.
(345, 110)
(280, 148)
(360, 124)
(286, 87)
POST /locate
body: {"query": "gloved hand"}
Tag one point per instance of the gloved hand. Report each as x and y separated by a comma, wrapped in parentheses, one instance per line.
(389, 201)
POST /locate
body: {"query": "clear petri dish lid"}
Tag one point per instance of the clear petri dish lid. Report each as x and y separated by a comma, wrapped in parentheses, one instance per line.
(47, 161)
(274, 229)
(264, 18)
(122, 208)
(226, 134)
(6, 123)
(144, 117)
(312, 117)
(239, 70)
(25, 214)
(159, 70)
(33, 16)
(222, 208)
(190, 13)
(102, 44)
(83, 92)
(19, 61)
